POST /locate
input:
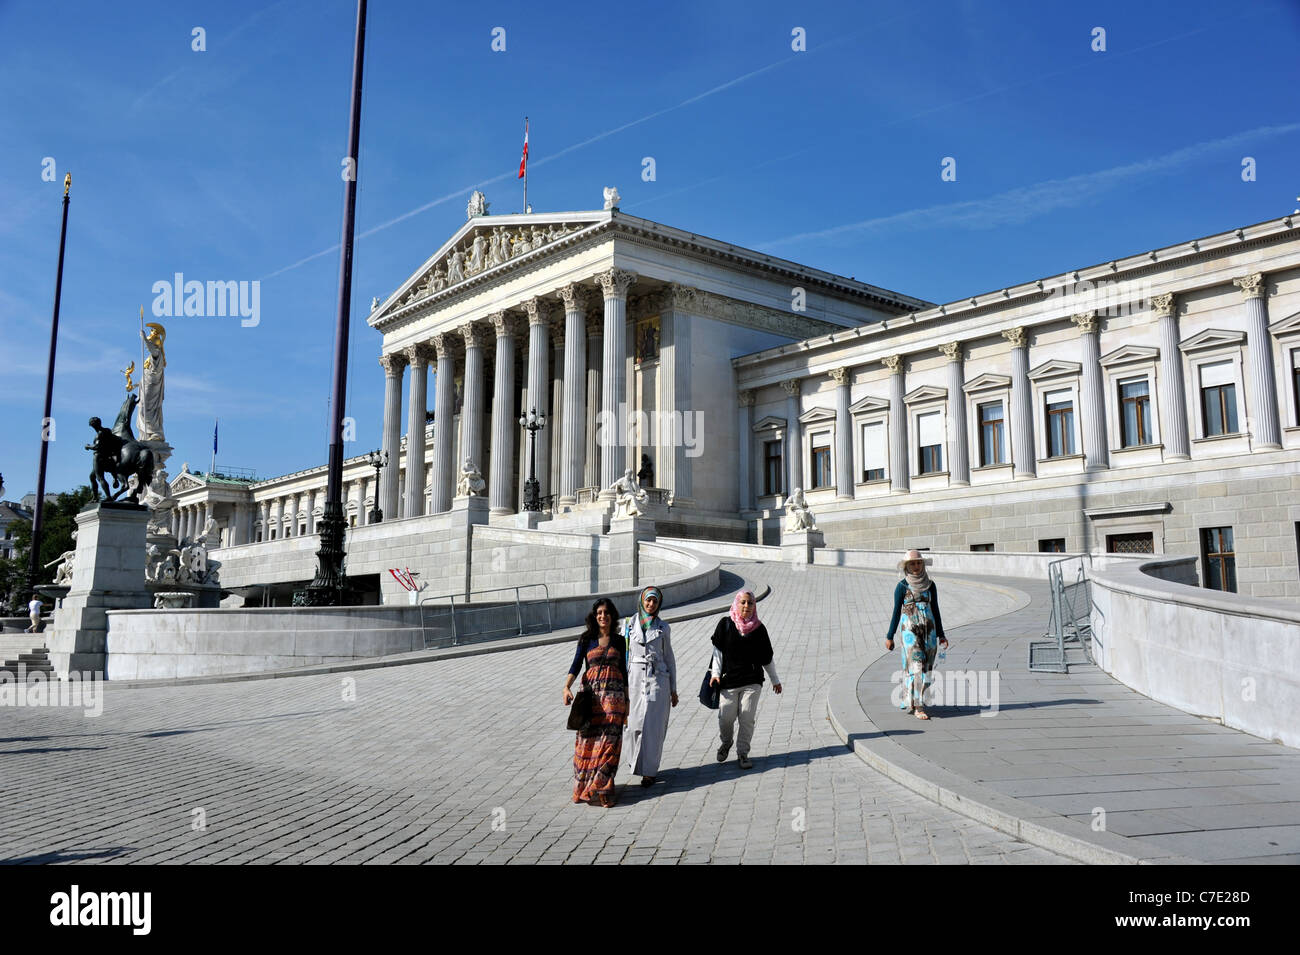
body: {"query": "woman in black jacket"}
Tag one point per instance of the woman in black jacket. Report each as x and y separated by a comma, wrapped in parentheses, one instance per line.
(741, 652)
(916, 606)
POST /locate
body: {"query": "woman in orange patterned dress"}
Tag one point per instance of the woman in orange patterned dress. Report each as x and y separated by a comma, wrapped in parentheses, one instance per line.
(598, 747)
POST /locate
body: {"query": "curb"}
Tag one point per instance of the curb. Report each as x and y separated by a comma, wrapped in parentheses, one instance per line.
(1017, 817)
(428, 656)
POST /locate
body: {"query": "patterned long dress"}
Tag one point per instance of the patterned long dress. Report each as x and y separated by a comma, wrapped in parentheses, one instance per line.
(919, 645)
(597, 749)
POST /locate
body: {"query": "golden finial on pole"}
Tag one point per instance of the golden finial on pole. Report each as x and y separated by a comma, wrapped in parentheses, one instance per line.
(67, 184)
(129, 370)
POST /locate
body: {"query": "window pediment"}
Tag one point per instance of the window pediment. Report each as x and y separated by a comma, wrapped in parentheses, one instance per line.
(987, 382)
(817, 416)
(1212, 338)
(1128, 355)
(770, 423)
(925, 393)
(868, 405)
(1055, 369)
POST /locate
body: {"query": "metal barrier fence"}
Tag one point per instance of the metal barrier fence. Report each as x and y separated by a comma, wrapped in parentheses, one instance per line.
(1070, 625)
(449, 624)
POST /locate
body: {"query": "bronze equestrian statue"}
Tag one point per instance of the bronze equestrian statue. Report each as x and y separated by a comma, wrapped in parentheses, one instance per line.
(119, 454)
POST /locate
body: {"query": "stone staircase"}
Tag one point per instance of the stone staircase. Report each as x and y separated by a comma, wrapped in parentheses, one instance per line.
(21, 657)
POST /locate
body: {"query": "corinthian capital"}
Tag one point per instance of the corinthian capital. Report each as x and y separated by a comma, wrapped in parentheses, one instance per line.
(573, 296)
(1162, 306)
(894, 363)
(442, 342)
(842, 375)
(791, 387)
(1087, 322)
(1016, 336)
(539, 310)
(473, 335)
(681, 296)
(1252, 285)
(417, 354)
(614, 283)
(745, 398)
(504, 323)
(951, 350)
(393, 363)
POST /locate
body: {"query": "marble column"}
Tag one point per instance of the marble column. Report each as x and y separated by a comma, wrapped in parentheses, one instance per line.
(1092, 413)
(292, 516)
(1023, 453)
(555, 419)
(444, 469)
(389, 490)
(417, 356)
(958, 453)
(363, 486)
(794, 437)
(279, 518)
(900, 471)
(843, 435)
(745, 457)
(614, 284)
(311, 512)
(501, 500)
(1263, 421)
(471, 413)
(573, 436)
(595, 359)
(266, 520)
(1173, 399)
(539, 390)
(676, 389)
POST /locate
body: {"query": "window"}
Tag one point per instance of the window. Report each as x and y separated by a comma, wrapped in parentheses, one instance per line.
(772, 467)
(1218, 558)
(1218, 399)
(1060, 423)
(1052, 545)
(821, 461)
(1295, 382)
(929, 438)
(874, 451)
(272, 533)
(982, 548)
(991, 434)
(1130, 543)
(1135, 413)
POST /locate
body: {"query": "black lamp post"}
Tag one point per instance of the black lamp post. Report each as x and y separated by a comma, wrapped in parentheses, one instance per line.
(378, 460)
(534, 422)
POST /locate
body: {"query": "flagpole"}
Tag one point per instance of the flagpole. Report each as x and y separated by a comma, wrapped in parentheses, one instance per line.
(213, 467)
(38, 516)
(525, 164)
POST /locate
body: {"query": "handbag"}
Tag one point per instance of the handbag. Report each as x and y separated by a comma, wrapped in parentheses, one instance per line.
(710, 696)
(580, 710)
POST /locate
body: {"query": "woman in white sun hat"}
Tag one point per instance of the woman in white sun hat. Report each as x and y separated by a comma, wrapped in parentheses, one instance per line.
(916, 604)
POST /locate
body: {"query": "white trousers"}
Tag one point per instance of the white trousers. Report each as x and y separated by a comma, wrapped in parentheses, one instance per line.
(742, 702)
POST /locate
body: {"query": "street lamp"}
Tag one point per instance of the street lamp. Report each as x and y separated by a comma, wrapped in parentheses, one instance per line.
(377, 460)
(534, 422)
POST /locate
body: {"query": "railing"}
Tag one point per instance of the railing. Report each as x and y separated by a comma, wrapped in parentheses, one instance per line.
(458, 616)
(1070, 624)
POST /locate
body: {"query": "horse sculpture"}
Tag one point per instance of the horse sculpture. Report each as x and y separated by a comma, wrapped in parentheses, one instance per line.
(119, 454)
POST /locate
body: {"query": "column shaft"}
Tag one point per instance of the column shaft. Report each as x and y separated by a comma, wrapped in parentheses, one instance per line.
(443, 433)
(613, 450)
(573, 434)
(958, 452)
(1264, 421)
(539, 392)
(900, 472)
(1023, 453)
(501, 500)
(471, 415)
(389, 489)
(1173, 400)
(843, 436)
(1092, 413)
(417, 413)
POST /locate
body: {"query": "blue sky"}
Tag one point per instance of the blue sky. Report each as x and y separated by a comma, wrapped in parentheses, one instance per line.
(225, 165)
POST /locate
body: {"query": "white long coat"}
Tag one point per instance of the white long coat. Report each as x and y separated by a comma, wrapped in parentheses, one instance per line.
(652, 678)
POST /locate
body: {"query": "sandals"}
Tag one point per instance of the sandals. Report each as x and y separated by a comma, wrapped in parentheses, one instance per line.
(607, 800)
(922, 715)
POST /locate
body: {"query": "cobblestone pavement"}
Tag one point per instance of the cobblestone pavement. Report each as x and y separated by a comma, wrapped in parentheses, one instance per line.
(466, 760)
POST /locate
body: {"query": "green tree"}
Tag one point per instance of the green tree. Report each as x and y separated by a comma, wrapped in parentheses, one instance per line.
(59, 518)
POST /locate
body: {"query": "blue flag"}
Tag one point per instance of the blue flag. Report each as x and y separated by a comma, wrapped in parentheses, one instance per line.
(214, 435)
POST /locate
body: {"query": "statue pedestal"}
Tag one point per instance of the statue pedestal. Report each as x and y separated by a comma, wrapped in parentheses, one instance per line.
(107, 574)
(624, 563)
(797, 546)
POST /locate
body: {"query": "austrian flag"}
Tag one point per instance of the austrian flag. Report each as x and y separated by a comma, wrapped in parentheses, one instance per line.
(523, 161)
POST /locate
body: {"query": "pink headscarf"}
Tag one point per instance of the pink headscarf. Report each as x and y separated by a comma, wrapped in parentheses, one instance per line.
(744, 624)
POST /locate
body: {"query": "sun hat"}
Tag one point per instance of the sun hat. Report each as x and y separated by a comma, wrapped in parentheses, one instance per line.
(914, 554)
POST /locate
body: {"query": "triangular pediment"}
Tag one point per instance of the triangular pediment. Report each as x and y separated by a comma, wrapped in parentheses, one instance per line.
(987, 382)
(816, 415)
(1212, 338)
(1127, 354)
(925, 393)
(770, 423)
(1055, 369)
(186, 482)
(485, 246)
(1285, 326)
(868, 405)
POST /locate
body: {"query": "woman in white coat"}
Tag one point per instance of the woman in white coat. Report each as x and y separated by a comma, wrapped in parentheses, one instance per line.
(652, 686)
